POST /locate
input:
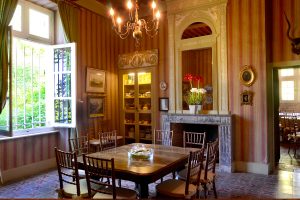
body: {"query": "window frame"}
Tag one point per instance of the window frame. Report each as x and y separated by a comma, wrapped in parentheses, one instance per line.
(24, 33)
(50, 121)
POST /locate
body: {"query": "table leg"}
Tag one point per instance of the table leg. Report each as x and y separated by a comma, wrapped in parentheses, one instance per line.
(143, 190)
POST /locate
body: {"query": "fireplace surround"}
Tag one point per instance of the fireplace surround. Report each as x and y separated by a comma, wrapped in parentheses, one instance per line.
(224, 127)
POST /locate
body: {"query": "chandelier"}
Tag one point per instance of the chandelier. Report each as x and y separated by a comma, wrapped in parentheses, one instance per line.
(135, 24)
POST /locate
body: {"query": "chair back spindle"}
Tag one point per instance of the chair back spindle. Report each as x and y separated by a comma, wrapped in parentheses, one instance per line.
(194, 139)
(163, 137)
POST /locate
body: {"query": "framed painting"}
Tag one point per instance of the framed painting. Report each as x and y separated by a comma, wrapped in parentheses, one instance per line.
(247, 76)
(164, 104)
(95, 106)
(247, 98)
(95, 80)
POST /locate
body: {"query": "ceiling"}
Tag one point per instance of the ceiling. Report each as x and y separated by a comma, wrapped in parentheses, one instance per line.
(194, 30)
(45, 3)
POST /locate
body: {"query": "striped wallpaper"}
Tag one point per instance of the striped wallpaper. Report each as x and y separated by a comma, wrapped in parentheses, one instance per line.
(23, 151)
(246, 46)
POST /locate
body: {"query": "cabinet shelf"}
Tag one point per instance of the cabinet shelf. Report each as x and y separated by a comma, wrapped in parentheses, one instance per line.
(137, 91)
(144, 84)
(145, 111)
(145, 124)
(129, 138)
(132, 124)
(146, 139)
(129, 111)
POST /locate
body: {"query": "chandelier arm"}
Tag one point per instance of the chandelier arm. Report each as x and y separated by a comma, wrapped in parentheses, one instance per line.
(129, 26)
(150, 27)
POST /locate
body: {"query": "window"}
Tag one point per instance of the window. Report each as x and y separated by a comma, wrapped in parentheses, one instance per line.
(289, 85)
(39, 24)
(33, 22)
(16, 21)
(287, 88)
(287, 72)
(40, 73)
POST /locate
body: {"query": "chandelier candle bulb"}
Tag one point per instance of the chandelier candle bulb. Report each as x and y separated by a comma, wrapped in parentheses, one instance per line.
(153, 9)
(119, 21)
(112, 13)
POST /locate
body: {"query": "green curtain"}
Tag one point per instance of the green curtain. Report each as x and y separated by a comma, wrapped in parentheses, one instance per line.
(69, 17)
(7, 9)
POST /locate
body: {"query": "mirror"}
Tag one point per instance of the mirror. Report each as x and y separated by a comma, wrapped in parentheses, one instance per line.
(197, 62)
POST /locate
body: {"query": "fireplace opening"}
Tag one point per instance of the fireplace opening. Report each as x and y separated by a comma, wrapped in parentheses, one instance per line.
(178, 128)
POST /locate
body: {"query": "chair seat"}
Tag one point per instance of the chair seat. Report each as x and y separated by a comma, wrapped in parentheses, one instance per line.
(122, 193)
(210, 176)
(81, 173)
(69, 190)
(175, 188)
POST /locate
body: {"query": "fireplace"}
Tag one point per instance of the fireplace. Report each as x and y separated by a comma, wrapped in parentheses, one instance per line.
(216, 126)
(211, 131)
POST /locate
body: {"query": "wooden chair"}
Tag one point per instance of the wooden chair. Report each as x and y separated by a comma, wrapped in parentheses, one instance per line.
(80, 145)
(163, 137)
(208, 177)
(175, 188)
(193, 139)
(100, 189)
(108, 140)
(69, 182)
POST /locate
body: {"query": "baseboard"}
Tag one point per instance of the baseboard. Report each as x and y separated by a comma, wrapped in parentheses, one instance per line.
(252, 167)
(27, 170)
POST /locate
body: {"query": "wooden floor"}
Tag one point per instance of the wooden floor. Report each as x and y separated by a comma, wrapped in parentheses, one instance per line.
(284, 183)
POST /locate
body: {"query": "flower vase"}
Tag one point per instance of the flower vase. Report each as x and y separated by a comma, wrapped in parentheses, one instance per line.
(192, 109)
(198, 109)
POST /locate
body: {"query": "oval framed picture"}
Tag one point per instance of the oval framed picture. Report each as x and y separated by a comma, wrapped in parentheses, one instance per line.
(247, 75)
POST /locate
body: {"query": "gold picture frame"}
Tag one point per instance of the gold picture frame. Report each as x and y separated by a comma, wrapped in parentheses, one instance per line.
(247, 76)
(95, 106)
(247, 98)
(95, 80)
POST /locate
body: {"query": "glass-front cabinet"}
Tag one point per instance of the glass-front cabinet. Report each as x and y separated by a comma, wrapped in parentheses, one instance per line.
(137, 110)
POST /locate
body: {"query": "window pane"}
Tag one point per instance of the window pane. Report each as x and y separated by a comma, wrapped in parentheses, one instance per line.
(28, 85)
(16, 21)
(287, 72)
(63, 112)
(38, 24)
(287, 90)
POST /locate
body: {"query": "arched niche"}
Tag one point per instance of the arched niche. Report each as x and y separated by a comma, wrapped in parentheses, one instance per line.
(181, 14)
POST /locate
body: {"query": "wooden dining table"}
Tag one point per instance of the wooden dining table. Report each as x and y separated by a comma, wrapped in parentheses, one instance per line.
(166, 159)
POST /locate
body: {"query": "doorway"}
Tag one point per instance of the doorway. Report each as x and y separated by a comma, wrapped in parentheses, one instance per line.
(286, 86)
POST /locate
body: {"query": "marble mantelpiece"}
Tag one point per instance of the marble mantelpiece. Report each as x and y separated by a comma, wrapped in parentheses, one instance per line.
(224, 123)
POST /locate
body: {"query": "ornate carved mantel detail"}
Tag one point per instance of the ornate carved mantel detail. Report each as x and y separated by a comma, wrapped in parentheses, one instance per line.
(138, 59)
(224, 123)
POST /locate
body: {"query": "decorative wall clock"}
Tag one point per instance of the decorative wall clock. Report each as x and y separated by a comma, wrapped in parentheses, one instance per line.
(247, 75)
(163, 85)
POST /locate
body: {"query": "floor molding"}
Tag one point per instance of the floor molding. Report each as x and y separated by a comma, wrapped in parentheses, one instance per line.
(27, 170)
(252, 167)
